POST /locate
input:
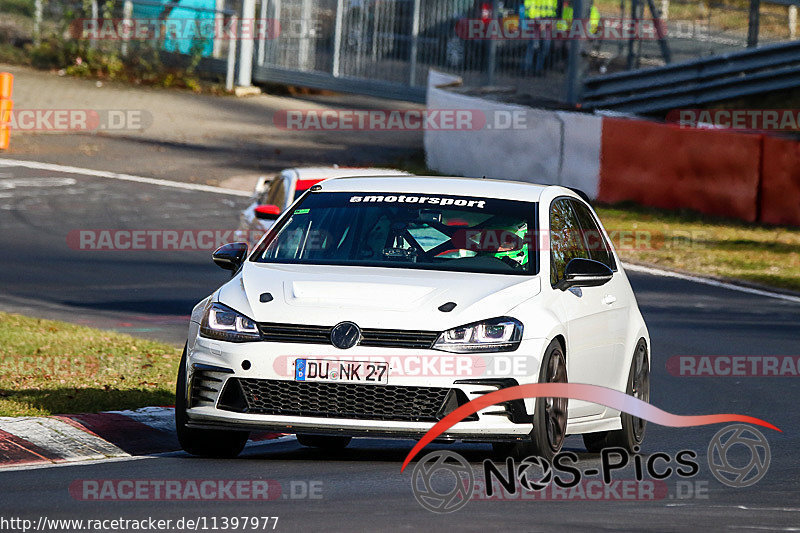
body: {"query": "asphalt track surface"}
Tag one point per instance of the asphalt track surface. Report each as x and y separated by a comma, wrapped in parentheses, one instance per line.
(151, 292)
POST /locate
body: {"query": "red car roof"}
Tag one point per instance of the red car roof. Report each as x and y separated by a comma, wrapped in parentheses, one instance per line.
(302, 185)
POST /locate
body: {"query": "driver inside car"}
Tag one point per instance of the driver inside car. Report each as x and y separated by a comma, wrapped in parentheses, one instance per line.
(506, 243)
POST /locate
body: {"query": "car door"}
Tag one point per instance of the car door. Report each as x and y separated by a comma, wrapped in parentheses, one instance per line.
(592, 331)
(617, 297)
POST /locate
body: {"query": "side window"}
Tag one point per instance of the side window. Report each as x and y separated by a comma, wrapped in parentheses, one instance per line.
(593, 236)
(565, 238)
(276, 194)
(262, 198)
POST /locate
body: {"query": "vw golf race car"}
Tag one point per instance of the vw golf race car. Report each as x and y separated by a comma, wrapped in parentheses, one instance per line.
(375, 306)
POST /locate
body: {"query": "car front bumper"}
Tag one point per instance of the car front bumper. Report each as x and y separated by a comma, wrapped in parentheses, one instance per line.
(213, 368)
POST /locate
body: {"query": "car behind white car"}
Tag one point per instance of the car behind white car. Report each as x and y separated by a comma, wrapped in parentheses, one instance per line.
(273, 195)
(315, 332)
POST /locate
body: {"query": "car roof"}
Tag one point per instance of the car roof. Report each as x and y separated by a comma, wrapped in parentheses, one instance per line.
(302, 185)
(457, 186)
(321, 173)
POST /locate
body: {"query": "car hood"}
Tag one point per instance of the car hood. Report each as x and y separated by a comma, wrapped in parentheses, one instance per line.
(372, 297)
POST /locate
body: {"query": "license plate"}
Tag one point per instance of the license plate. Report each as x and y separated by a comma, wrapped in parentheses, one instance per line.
(341, 371)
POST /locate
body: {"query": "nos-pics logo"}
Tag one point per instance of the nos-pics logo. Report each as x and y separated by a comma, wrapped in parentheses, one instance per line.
(443, 481)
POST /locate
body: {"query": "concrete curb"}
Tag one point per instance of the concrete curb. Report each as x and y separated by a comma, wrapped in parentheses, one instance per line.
(91, 437)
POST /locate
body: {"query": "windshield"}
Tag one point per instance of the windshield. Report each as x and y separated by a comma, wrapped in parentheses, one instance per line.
(401, 230)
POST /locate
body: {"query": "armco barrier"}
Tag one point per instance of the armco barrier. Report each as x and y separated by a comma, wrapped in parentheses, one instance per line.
(780, 182)
(664, 166)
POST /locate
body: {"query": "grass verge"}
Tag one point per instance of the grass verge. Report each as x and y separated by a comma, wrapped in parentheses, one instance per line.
(49, 367)
(690, 242)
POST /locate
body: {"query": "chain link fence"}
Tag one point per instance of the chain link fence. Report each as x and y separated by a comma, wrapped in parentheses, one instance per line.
(495, 46)
(694, 29)
(82, 37)
(397, 41)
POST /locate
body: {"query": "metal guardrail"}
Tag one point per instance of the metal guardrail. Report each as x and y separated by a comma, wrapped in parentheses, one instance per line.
(701, 81)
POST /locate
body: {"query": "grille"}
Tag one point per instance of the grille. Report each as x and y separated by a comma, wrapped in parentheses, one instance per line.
(295, 333)
(396, 338)
(376, 338)
(342, 400)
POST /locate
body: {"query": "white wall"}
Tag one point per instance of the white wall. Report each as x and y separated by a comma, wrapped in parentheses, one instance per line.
(546, 146)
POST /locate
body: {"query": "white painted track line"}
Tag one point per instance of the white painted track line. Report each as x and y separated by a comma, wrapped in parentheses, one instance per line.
(712, 282)
(117, 176)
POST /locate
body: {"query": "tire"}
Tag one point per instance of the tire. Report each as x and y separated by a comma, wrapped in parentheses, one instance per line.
(633, 429)
(549, 414)
(203, 442)
(323, 441)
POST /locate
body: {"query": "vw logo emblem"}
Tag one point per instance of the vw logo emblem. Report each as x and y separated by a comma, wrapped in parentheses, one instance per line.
(345, 335)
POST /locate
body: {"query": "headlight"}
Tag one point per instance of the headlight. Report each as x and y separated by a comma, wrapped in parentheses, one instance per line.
(496, 335)
(223, 323)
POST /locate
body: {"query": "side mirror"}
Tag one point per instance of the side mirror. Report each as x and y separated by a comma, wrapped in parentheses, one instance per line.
(267, 212)
(230, 256)
(585, 273)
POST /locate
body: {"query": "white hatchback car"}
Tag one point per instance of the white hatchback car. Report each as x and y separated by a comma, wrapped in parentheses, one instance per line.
(376, 306)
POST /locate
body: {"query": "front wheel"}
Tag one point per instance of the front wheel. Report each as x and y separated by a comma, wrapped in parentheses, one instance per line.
(203, 442)
(549, 416)
(632, 432)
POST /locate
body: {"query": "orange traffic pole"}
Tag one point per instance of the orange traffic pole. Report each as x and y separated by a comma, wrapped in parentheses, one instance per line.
(6, 106)
(6, 85)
